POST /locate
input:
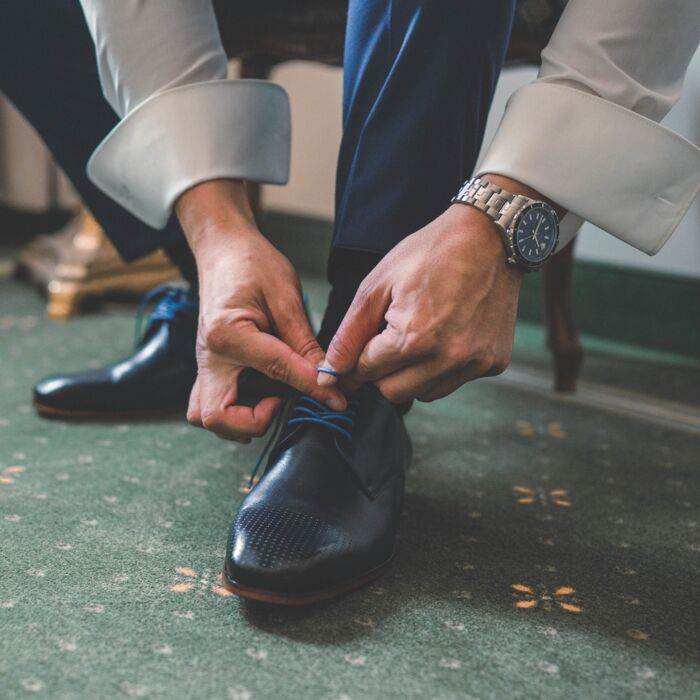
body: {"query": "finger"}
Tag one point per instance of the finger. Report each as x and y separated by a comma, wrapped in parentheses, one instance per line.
(425, 381)
(403, 385)
(277, 360)
(240, 423)
(383, 355)
(194, 416)
(218, 389)
(451, 381)
(361, 323)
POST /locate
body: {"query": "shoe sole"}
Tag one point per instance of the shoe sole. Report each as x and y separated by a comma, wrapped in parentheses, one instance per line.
(261, 595)
(50, 412)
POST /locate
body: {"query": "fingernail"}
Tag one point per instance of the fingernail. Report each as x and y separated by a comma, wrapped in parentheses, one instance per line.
(326, 380)
(326, 376)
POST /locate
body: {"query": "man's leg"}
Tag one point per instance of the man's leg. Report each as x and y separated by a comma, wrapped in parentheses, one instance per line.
(419, 75)
(418, 82)
(48, 70)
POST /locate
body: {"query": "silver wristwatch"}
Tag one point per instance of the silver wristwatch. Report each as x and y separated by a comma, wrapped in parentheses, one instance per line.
(530, 228)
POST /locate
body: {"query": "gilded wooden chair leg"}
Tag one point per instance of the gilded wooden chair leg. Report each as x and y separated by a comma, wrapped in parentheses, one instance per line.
(80, 263)
(64, 299)
(562, 336)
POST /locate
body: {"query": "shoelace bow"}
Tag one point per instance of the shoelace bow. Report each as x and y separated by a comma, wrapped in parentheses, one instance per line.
(308, 410)
(169, 299)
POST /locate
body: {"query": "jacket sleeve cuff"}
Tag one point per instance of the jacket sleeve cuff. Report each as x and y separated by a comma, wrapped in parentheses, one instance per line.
(603, 163)
(236, 129)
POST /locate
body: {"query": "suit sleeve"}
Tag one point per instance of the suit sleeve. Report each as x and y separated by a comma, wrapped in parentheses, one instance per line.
(163, 70)
(586, 132)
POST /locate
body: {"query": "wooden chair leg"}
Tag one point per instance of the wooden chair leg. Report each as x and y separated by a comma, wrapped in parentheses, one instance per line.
(80, 263)
(562, 336)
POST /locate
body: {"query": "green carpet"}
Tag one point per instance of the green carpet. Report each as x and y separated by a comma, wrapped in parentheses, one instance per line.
(548, 550)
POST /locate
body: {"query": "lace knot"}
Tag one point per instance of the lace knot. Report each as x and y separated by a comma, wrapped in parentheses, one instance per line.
(309, 411)
(169, 301)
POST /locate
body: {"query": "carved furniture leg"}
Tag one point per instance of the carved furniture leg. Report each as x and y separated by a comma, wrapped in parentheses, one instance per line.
(80, 263)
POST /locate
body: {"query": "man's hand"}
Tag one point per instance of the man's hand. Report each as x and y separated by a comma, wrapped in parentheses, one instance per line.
(436, 312)
(251, 314)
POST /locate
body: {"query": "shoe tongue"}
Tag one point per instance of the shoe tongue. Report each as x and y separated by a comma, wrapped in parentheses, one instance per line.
(372, 451)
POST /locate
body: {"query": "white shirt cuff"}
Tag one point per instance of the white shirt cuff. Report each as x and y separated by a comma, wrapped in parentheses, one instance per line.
(602, 162)
(235, 129)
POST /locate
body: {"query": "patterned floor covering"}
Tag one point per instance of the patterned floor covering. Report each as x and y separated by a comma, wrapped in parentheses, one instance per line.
(548, 550)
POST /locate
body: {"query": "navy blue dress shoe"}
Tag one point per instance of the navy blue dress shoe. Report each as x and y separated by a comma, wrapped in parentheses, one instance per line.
(157, 378)
(323, 519)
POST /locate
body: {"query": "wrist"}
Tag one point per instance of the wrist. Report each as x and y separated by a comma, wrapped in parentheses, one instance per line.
(517, 187)
(483, 240)
(215, 211)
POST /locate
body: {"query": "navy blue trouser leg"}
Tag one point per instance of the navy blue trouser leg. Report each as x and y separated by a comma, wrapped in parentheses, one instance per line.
(418, 83)
(48, 70)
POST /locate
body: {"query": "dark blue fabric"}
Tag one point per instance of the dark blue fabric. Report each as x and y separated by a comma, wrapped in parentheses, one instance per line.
(418, 82)
(48, 70)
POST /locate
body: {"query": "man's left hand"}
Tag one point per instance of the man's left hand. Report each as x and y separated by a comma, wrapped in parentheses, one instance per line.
(438, 311)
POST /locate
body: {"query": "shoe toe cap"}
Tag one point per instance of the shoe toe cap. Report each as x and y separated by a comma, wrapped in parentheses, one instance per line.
(77, 392)
(54, 391)
(279, 549)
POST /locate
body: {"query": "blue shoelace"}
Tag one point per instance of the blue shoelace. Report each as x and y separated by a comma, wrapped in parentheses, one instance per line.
(309, 411)
(170, 300)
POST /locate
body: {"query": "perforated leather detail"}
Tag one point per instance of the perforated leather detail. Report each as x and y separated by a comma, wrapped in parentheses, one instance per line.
(280, 537)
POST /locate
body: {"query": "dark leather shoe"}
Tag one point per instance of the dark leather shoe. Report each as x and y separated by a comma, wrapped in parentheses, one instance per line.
(323, 519)
(157, 378)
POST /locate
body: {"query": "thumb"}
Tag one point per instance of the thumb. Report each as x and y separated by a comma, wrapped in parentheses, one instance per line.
(361, 323)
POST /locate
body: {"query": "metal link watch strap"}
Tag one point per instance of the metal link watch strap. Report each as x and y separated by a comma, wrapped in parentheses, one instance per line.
(500, 205)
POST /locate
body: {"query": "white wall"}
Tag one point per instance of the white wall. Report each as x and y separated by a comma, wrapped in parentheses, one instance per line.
(315, 93)
(28, 177)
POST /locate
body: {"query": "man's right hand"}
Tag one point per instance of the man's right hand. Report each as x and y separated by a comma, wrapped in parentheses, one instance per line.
(251, 314)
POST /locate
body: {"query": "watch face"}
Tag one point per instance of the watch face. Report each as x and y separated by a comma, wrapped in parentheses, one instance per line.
(536, 233)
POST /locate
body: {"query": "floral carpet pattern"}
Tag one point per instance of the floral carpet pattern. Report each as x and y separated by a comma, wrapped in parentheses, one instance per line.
(547, 551)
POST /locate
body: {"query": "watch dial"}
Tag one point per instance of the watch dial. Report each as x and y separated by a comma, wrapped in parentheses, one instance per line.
(536, 233)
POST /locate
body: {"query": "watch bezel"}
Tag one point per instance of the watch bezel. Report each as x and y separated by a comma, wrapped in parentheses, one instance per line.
(515, 256)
